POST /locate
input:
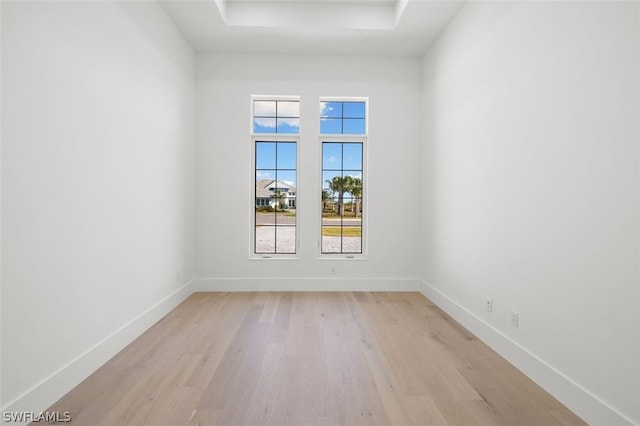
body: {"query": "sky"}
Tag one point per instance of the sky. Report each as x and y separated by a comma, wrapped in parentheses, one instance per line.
(283, 117)
(279, 159)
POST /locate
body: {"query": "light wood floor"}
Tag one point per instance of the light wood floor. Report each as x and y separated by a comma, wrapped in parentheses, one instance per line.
(310, 358)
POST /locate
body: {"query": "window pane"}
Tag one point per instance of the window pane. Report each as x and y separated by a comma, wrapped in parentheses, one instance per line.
(352, 239)
(353, 110)
(347, 199)
(332, 156)
(353, 193)
(353, 126)
(275, 197)
(330, 126)
(264, 125)
(286, 181)
(285, 239)
(264, 108)
(288, 125)
(265, 239)
(342, 197)
(276, 117)
(266, 155)
(286, 155)
(289, 109)
(332, 180)
(352, 156)
(264, 177)
(331, 109)
(331, 238)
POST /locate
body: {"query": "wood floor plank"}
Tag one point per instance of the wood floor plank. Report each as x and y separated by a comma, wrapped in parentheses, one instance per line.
(309, 358)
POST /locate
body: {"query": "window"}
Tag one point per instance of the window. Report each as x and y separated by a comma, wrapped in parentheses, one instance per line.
(342, 175)
(276, 116)
(342, 118)
(275, 127)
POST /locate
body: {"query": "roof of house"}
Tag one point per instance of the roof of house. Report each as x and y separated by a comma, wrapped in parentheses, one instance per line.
(266, 188)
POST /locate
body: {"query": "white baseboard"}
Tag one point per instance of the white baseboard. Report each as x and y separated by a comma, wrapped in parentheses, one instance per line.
(585, 404)
(307, 284)
(52, 388)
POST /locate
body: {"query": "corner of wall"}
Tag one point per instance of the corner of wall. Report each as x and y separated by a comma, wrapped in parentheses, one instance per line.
(56, 385)
(588, 406)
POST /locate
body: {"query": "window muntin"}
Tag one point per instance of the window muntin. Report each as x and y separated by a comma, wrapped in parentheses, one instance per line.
(275, 197)
(276, 116)
(342, 197)
(343, 117)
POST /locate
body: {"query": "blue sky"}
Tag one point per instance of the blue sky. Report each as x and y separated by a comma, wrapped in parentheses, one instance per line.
(280, 155)
(341, 159)
(276, 117)
(283, 117)
(342, 156)
(277, 160)
(346, 118)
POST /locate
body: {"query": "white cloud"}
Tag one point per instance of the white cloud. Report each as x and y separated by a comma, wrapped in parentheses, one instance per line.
(263, 175)
(284, 108)
(265, 122)
(326, 108)
(288, 109)
(293, 122)
(264, 108)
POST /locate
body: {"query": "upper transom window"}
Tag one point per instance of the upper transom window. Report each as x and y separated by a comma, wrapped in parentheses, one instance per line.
(343, 118)
(276, 116)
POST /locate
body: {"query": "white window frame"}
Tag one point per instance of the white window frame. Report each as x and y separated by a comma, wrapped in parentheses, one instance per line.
(347, 138)
(272, 137)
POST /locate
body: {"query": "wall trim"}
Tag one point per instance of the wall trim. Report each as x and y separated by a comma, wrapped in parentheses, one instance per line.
(581, 401)
(307, 284)
(60, 382)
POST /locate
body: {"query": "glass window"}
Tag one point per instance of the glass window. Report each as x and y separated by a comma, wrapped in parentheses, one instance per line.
(275, 197)
(342, 197)
(276, 116)
(343, 118)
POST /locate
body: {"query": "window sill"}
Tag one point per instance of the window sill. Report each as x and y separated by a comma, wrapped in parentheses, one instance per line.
(342, 256)
(273, 257)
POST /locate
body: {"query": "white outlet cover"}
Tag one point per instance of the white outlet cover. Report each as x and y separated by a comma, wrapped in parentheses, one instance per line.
(514, 319)
(488, 304)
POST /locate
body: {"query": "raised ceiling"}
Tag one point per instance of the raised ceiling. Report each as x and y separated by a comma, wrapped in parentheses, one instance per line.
(314, 27)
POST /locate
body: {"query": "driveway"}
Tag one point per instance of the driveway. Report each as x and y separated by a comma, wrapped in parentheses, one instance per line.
(266, 236)
(286, 219)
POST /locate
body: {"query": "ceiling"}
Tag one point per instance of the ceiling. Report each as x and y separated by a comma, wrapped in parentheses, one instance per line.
(312, 27)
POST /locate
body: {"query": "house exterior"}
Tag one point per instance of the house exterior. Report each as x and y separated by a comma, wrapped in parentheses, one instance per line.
(270, 191)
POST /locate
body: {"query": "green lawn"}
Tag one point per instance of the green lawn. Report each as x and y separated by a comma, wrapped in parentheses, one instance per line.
(351, 231)
(280, 212)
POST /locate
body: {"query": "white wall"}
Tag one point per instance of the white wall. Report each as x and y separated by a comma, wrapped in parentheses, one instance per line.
(97, 186)
(225, 86)
(531, 196)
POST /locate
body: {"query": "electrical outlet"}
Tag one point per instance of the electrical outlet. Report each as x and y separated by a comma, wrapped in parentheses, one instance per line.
(514, 319)
(488, 304)
(333, 270)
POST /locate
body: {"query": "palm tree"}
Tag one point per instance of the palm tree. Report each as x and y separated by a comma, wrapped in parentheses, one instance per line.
(355, 189)
(326, 196)
(279, 196)
(347, 183)
(336, 185)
